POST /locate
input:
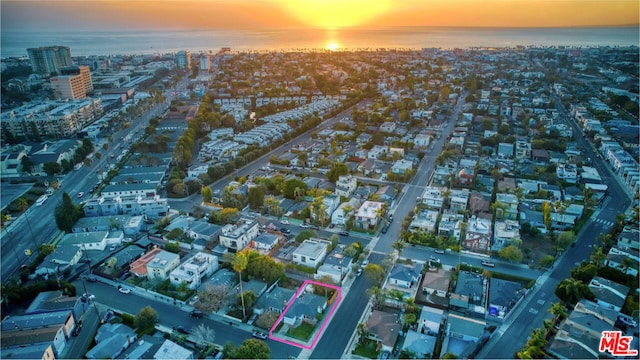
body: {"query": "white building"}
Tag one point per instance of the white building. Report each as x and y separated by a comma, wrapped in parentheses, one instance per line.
(236, 237)
(191, 272)
(311, 252)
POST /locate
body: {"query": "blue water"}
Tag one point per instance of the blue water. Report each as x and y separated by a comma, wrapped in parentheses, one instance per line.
(151, 42)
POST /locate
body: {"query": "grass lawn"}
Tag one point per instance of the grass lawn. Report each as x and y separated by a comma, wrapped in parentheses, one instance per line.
(367, 349)
(303, 331)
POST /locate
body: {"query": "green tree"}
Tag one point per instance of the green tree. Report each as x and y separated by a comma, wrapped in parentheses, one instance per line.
(256, 197)
(51, 168)
(399, 245)
(597, 256)
(207, 194)
(239, 264)
(66, 214)
(290, 185)
(374, 272)
(145, 319)
(248, 298)
(571, 290)
(546, 214)
(337, 169)
(585, 272)
(27, 164)
(305, 235)
(252, 349)
(172, 247)
(511, 253)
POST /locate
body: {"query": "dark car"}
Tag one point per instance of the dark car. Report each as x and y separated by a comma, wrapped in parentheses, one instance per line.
(77, 329)
(344, 233)
(385, 229)
(197, 314)
(92, 279)
(285, 230)
(183, 330)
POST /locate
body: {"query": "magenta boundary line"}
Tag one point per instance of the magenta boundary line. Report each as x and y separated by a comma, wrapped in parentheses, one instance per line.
(324, 323)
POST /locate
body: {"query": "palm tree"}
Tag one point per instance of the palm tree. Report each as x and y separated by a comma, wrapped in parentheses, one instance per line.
(239, 264)
(399, 245)
(559, 312)
(571, 290)
(597, 256)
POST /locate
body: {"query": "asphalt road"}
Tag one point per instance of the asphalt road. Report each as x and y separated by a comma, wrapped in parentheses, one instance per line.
(37, 225)
(170, 315)
(337, 334)
(512, 337)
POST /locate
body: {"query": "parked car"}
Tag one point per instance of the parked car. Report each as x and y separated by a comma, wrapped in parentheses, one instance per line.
(285, 230)
(108, 315)
(183, 330)
(197, 314)
(359, 272)
(384, 229)
(627, 320)
(259, 335)
(92, 279)
(487, 263)
(89, 296)
(123, 290)
(438, 251)
(365, 262)
(80, 194)
(284, 222)
(344, 233)
(76, 330)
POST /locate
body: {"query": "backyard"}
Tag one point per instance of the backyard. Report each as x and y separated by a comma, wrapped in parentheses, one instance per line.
(367, 348)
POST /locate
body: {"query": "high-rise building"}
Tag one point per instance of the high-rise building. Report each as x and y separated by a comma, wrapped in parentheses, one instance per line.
(83, 71)
(205, 62)
(49, 60)
(183, 59)
(68, 87)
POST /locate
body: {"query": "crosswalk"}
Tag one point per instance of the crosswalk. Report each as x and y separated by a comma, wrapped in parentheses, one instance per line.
(605, 223)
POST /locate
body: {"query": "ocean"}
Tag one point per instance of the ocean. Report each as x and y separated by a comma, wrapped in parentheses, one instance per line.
(15, 44)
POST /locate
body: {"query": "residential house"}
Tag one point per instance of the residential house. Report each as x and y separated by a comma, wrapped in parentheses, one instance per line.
(193, 270)
(626, 261)
(346, 185)
(274, 300)
(450, 225)
(458, 199)
(435, 287)
(421, 345)
(629, 239)
(387, 194)
(336, 266)
(404, 278)
(377, 152)
(238, 236)
(504, 232)
(384, 327)
(42, 336)
(505, 151)
(470, 294)
(609, 294)
(479, 235)
(345, 211)
(433, 197)
(430, 320)
(96, 240)
(464, 177)
(305, 308)
(442, 176)
(311, 252)
(111, 340)
(424, 221)
(503, 296)
(139, 266)
(579, 334)
(422, 140)
(402, 167)
(161, 265)
(367, 216)
(266, 243)
(462, 336)
(507, 206)
(62, 258)
(171, 350)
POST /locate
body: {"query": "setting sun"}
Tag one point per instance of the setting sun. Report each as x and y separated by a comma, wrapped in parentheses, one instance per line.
(332, 46)
(335, 14)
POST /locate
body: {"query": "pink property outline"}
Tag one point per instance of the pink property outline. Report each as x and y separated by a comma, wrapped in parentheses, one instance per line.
(324, 323)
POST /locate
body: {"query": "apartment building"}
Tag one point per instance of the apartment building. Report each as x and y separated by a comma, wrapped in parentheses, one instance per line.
(50, 59)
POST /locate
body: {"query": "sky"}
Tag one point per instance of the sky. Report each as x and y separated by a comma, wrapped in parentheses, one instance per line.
(26, 15)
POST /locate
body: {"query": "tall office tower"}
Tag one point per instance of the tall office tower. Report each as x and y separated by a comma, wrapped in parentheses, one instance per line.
(205, 62)
(48, 60)
(83, 71)
(68, 87)
(183, 59)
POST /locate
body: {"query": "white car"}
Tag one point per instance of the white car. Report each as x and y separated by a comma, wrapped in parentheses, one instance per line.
(89, 296)
(80, 194)
(124, 290)
(284, 222)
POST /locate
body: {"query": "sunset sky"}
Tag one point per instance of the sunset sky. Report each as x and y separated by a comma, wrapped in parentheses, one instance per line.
(24, 15)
